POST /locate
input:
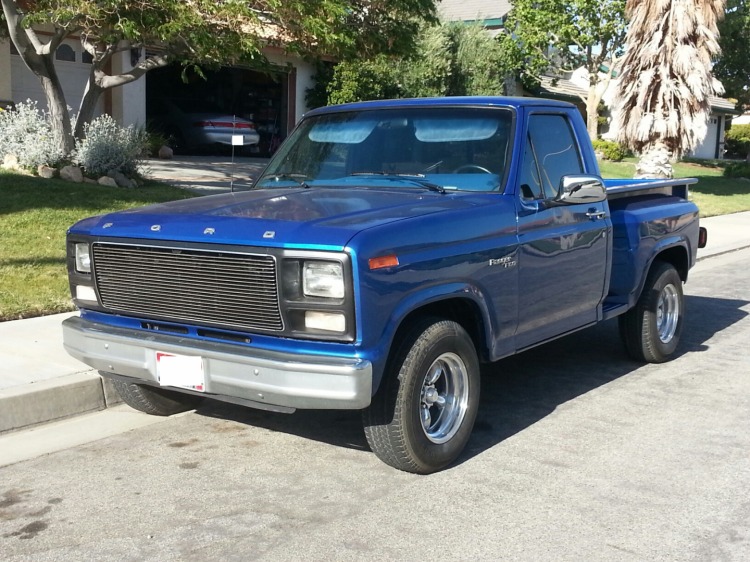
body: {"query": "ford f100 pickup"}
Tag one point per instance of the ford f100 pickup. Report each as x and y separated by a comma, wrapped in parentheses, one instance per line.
(388, 249)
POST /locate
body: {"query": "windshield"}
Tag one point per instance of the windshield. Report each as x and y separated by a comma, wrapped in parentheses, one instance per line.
(440, 148)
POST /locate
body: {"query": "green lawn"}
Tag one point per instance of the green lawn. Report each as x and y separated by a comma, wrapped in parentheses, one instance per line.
(34, 216)
(714, 194)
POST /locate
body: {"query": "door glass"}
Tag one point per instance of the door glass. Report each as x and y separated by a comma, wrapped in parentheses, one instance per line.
(555, 149)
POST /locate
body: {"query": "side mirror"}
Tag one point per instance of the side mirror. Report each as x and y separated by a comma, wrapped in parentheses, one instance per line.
(581, 188)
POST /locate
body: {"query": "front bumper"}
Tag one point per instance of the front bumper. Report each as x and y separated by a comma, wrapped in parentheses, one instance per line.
(254, 377)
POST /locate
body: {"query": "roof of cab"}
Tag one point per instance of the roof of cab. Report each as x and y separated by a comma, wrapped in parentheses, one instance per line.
(473, 101)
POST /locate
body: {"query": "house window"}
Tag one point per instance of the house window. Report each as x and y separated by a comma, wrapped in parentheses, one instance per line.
(86, 57)
(66, 53)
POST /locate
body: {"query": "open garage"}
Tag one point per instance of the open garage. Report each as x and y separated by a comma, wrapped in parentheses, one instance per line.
(189, 108)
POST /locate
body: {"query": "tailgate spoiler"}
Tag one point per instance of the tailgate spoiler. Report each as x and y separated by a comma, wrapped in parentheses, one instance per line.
(617, 188)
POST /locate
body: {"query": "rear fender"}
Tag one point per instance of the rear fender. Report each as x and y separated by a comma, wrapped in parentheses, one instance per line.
(672, 250)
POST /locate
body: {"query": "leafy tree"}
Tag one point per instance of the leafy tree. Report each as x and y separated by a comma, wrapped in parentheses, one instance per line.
(449, 60)
(456, 59)
(373, 79)
(199, 32)
(733, 66)
(738, 141)
(556, 35)
(663, 100)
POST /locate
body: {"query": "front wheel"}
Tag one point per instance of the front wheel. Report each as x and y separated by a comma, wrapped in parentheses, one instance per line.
(422, 415)
(652, 329)
(153, 400)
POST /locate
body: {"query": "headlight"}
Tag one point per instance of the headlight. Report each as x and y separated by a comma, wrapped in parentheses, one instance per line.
(323, 279)
(83, 258)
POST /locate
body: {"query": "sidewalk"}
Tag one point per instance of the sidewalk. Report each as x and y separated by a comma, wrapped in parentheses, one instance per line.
(40, 382)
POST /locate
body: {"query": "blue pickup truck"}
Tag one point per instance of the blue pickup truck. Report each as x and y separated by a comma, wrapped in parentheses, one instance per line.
(388, 249)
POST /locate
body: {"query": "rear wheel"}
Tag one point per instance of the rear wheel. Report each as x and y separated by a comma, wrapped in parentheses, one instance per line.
(651, 330)
(155, 401)
(422, 415)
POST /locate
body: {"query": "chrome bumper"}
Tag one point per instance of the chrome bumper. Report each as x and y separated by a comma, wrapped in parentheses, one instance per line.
(255, 377)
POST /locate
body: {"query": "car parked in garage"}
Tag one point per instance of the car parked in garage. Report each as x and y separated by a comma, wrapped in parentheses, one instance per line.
(191, 125)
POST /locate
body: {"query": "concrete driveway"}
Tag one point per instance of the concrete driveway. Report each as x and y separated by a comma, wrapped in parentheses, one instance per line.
(207, 174)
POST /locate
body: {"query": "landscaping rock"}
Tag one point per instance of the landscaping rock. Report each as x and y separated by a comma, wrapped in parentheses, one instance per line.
(46, 172)
(90, 181)
(71, 173)
(10, 161)
(121, 179)
(166, 153)
(107, 181)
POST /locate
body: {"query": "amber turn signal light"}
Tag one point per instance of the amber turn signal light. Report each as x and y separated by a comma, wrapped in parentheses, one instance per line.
(383, 261)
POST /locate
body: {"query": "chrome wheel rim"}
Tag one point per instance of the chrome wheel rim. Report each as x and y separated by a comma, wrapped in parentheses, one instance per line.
(444, 398)
(667, 313)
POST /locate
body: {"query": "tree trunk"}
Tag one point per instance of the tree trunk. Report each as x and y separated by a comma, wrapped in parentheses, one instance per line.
(87, 108)
(655, 162)
(58, 108)
(592, 111)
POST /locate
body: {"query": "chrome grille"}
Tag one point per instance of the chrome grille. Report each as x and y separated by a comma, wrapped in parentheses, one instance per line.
(217, 288)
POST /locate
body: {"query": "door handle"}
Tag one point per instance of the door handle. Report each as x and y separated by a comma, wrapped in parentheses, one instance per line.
(596, 215)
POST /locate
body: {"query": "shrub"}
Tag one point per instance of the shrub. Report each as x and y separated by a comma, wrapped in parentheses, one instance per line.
(610, 150)
(26, 132)
(737, 141)
(154, 141)
(107, 147)
(359, 80)
(737, 170)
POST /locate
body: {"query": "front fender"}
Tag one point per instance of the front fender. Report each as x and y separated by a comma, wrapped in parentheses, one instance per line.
(427, 300)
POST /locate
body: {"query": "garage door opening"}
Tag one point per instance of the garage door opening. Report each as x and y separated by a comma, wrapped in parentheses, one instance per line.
(201, 115)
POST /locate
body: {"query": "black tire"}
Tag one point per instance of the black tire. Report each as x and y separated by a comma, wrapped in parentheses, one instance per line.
(651, 330)
(434, 373)
(155, 401)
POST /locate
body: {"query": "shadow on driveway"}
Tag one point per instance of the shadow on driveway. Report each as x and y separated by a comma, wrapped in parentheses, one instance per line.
(207, 174)
(517, 391)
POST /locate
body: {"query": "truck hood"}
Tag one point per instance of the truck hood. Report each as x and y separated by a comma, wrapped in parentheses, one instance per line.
(315, 217)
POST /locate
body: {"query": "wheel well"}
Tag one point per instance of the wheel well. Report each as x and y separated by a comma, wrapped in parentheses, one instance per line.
(677, 257)
(462, 311)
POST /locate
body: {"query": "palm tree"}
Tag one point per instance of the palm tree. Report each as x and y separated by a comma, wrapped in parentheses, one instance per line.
(663, 98)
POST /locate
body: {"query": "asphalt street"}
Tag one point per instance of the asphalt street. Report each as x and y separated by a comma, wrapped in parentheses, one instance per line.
(578, 454)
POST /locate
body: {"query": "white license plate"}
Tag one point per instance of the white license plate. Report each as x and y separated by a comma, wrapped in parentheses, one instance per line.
(183, 371)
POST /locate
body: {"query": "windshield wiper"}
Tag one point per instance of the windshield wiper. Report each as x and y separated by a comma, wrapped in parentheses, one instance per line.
(414, 178)
(299, 179)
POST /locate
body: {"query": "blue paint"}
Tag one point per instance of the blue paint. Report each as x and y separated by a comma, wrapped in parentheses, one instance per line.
(527, 270)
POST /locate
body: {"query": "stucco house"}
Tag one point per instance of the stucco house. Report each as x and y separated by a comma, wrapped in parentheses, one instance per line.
(491, 14)
(573, 86)
(275, 99)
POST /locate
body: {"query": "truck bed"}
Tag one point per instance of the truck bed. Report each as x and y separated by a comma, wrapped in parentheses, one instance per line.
(619, 188)
(647, 215)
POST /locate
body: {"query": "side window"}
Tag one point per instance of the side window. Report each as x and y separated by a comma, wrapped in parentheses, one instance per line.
(555, 150)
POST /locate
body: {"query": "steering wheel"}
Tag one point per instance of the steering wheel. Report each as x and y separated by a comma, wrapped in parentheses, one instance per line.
(467, 167)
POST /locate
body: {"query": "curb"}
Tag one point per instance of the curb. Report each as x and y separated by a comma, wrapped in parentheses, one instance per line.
(32, 404)
(29, 405)
(723, 252)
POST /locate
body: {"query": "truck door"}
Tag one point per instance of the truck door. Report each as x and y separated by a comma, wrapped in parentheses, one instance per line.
(563, 248)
